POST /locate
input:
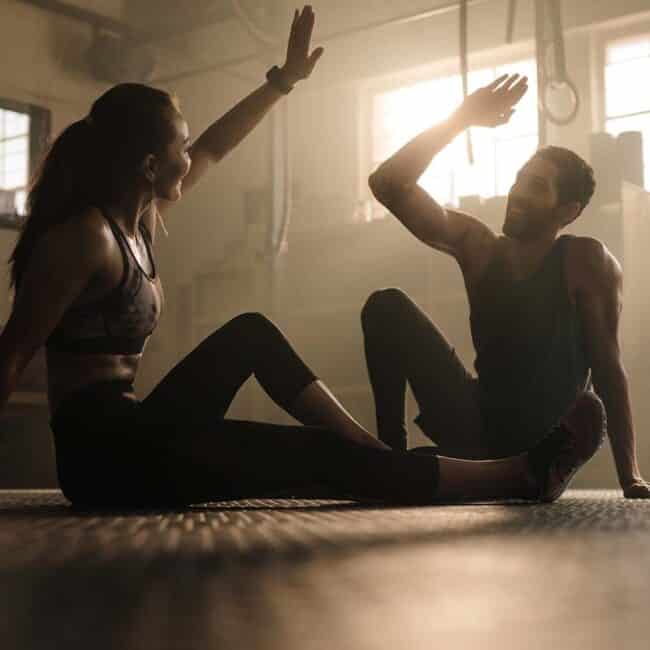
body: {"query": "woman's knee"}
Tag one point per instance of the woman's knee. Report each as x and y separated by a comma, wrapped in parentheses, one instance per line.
(384, 303)
(252, 324)
(241, 332)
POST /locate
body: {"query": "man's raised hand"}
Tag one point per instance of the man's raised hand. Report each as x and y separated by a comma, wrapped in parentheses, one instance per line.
(493, 105)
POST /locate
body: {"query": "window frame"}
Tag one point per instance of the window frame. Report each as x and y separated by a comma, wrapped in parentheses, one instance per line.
(38, 135)
(603, 35)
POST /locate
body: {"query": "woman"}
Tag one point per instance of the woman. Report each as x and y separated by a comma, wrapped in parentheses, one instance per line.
(87, 288)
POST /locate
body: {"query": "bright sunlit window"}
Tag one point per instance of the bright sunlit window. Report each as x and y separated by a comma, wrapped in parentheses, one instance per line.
(14, 160)
(627, 91)
(398, 115)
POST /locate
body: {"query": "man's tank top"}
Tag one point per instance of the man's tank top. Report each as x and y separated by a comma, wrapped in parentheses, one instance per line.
(530, 351)
(120, 322)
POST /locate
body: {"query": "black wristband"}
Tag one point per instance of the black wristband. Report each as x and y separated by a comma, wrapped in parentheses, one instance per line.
(275, 77)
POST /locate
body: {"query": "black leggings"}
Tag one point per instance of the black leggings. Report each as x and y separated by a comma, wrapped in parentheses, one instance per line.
(175, 447)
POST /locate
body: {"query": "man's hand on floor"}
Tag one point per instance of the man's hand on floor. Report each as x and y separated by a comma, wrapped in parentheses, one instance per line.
(637, 489)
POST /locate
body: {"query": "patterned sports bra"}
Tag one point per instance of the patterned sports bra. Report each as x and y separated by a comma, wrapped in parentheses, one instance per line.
(121, 321)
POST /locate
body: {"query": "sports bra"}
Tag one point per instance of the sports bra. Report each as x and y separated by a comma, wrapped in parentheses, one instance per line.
(121, 321)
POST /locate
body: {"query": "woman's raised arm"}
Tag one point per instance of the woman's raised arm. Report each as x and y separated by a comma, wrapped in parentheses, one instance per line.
(230, 129)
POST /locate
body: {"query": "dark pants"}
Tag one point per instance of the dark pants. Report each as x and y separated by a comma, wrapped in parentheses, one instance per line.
(176, 447)
(403, 345)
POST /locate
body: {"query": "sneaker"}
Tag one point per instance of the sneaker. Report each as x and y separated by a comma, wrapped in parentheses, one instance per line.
(569, 445)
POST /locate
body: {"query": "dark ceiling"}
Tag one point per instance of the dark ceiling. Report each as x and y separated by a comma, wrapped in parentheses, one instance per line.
(163, 18)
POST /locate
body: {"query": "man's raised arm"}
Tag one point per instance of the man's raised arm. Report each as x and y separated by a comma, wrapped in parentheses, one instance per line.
(394, 183)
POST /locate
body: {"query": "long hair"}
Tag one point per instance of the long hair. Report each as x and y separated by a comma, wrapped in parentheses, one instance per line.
(93, 161)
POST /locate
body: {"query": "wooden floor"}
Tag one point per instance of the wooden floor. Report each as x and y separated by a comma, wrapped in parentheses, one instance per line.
(283, 575)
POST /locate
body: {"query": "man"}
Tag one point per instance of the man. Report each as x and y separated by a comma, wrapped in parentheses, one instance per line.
(544, 308)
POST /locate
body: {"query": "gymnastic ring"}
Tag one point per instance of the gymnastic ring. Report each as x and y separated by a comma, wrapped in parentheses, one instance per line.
(561, 121)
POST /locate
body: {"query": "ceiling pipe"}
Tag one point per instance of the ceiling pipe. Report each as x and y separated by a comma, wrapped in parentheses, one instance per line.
(352, 31)
(105, 22)
(102, 21)
(86, 16)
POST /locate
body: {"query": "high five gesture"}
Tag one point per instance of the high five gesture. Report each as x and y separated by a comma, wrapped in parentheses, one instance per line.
(300, 63)
(229, 130)
(493, 105)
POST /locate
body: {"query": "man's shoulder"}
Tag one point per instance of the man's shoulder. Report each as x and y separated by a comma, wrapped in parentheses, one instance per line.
(591, 262)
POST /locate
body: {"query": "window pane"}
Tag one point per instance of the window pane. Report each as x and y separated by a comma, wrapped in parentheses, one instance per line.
(626, 87)
(400, 115)
(15, 124)
(628, 49)
(15, 172)
(524, 121)
(635, 123)
(437, 185)
(511, 155)
(21, 199)
(14, 163)
(524, 67)
(14, 152)
(16, 146)
(475, 179)
(479, 177)
(477, 78)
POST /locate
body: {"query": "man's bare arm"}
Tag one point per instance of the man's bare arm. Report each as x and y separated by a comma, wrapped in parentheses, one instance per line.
(453, 232)
(394, 183)
(600, 303)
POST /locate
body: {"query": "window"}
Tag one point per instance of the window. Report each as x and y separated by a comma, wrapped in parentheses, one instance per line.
(400, 114)
(627, 92)
(14, 160)
(24, 132)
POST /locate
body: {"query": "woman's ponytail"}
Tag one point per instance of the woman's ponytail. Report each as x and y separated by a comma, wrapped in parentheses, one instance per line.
(94, 161)
(62, 183)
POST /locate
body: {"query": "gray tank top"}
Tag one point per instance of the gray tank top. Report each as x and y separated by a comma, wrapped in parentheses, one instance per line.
(530, 351)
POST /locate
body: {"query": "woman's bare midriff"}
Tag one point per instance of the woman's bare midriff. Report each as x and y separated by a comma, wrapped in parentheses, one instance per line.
(67, 374)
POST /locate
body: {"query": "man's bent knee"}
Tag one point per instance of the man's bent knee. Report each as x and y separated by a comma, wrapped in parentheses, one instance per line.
(382, 303)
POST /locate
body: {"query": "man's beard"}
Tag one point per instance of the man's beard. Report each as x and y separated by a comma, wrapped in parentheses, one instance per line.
(529, 225)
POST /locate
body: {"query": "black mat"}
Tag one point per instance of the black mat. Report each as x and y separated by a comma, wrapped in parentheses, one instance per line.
(285, 574)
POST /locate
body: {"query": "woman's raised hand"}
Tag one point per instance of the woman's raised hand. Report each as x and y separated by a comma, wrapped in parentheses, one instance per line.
(300, 63)
(493, 104)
